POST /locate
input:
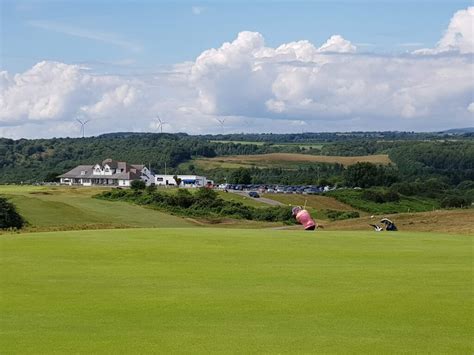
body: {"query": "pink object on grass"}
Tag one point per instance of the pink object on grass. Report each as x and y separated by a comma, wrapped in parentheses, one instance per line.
(303, 217)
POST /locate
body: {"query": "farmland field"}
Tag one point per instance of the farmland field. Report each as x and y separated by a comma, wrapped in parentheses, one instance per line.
(284, 160)
(203, 290)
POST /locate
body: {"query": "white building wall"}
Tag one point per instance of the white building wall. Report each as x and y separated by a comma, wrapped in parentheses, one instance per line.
(86, 182)
(200, 181)
(66, 181)
(164, 180)
(123, 182)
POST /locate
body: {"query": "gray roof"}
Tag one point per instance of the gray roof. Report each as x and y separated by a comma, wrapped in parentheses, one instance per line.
(131, 171)
(76, 172)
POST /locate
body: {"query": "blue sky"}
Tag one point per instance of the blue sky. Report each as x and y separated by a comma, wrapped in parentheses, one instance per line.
(152, 33)
(257, 66)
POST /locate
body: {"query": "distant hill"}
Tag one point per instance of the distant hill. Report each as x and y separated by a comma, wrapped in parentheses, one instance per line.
(459, 130)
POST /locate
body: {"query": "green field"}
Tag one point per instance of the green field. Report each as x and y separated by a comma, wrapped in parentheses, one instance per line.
(242, 291)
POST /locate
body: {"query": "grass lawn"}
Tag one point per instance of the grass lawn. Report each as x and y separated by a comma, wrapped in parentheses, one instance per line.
(246, 291)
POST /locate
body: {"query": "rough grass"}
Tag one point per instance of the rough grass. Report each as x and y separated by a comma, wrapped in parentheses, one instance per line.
(284, 160)
(242, 291)
(456, 221)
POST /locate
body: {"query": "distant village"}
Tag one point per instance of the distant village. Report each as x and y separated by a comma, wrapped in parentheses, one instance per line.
(121, 174)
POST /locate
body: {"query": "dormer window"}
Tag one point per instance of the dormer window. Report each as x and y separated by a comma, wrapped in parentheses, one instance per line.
(83, 172)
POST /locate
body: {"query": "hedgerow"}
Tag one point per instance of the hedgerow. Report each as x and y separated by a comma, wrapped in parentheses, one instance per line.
(203, 203)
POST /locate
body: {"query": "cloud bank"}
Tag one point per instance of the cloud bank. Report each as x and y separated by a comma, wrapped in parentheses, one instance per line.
(293, 87)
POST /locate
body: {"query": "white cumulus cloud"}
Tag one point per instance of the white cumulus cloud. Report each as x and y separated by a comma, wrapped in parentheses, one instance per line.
(458, 37)
(337, 44)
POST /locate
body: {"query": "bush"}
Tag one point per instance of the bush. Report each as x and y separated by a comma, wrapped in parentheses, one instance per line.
(466, 185)
(9, 217)
(340, 215)
(184, 198)
(151, 189)
(274, 214)
(455, 202)
(138, 185)
(204, 193)
(380, 197)
(203, 203)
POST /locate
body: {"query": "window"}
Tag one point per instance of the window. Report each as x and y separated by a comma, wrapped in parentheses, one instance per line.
(159, 179)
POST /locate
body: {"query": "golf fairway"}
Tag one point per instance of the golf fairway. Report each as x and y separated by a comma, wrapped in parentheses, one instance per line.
(235, 291)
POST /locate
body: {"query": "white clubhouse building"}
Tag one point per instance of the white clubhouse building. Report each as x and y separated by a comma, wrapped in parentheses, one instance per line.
(119, 173)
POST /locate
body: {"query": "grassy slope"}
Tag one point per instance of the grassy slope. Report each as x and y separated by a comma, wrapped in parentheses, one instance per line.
(66, 208)
(456, 221)
(201, 291)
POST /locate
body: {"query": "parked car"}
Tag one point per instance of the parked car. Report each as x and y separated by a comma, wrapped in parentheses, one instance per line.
(254, 194)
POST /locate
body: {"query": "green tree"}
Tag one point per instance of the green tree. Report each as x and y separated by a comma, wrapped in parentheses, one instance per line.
(361, 175)
(9, 217)
(178, 180)
(138, 185)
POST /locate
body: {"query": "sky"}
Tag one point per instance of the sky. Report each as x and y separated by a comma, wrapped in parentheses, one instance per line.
(234, 66)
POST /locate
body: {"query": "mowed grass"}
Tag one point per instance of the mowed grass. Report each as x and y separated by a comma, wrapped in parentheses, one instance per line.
(238, 291)
(46, 208)
(284, 160)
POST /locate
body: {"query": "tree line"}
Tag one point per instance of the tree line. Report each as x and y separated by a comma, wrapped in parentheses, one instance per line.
(450, 161)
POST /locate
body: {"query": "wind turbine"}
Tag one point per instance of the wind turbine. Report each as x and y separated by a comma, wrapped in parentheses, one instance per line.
(160, 123)
(82, 123)
(221, 122)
